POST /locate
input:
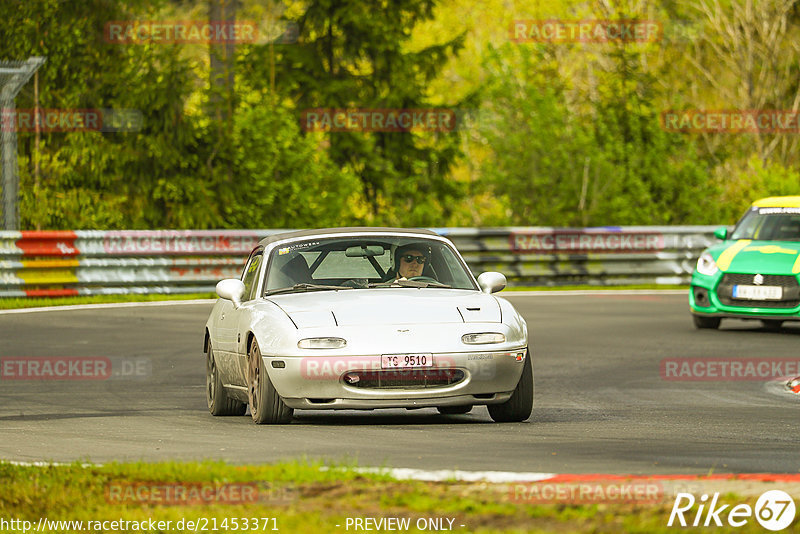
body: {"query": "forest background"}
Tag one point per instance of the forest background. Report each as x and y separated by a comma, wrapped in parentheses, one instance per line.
(549, 133)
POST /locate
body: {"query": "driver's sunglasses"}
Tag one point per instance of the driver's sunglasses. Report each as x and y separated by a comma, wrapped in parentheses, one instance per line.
(409, 258)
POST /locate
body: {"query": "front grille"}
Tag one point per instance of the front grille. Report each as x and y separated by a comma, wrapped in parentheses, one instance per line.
(791, 290)
(402, 379)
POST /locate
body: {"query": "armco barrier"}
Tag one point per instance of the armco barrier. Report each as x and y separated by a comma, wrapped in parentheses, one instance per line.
(90, 262)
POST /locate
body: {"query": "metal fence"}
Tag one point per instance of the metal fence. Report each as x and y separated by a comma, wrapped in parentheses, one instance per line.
(13, 76)
(63, 263)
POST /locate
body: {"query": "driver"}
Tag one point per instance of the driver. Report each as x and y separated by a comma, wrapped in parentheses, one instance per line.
(410, 260)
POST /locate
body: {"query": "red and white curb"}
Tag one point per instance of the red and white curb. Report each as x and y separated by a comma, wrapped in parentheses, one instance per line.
(793, 385)
(505, 477)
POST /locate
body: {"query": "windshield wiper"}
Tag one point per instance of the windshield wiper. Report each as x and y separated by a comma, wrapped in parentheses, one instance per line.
(305, 287)
(408, 283)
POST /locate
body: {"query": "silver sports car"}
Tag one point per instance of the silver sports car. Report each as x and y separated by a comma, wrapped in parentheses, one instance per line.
(364, 318)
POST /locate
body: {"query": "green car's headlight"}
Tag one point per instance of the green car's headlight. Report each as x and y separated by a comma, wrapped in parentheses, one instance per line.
(706, 264)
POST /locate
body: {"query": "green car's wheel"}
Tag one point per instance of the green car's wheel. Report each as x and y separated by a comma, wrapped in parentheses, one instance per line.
(266, 406)
(519, 407)
(706, 322)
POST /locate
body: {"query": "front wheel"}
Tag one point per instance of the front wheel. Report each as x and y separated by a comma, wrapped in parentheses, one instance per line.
(706, 322)
(217, 398)
(519, 407)
(266, 406)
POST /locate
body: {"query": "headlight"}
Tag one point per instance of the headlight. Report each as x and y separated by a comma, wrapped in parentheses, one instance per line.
(322, 343)
(706, 264)
(484, 338)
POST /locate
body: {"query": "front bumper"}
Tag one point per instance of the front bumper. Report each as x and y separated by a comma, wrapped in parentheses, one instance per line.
(320, 382)
(706, 300)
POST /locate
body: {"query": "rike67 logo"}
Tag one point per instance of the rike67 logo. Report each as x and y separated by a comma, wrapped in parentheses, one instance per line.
(774, 510)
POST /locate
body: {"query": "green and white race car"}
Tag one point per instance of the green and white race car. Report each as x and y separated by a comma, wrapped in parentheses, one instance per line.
(753, 273)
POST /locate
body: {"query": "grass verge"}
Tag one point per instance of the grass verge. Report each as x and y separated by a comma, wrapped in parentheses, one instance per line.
(14, 303)
(296, 497)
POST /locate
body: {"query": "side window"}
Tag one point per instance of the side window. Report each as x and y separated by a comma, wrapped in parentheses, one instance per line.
(249, 279)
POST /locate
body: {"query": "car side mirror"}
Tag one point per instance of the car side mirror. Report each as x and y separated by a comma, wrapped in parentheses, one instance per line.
(491, 282)
(231, 289)
(721, 233)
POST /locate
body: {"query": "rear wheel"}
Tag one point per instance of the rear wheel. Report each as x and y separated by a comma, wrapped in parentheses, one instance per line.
(266, 406)
(520, 405)
(706, 322)
(454, 410)
(217, 398)
(773, 325)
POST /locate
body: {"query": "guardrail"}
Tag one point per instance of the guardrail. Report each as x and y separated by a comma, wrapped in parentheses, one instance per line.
(93, 262)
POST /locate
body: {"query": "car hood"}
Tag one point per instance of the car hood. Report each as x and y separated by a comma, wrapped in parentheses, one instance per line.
(766, 257)
(382, 306)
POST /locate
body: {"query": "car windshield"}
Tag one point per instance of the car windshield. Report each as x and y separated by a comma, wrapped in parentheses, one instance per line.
(774, 224)
(366, 262)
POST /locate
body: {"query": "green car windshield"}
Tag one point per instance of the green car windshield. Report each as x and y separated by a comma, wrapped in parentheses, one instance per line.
(769, 224)
(362, 262)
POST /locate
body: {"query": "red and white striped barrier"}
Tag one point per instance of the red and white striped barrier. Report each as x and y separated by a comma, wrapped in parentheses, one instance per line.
(90, 262)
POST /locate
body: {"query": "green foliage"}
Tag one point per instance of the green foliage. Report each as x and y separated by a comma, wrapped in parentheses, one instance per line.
(601, 161)
(561, 134)
(740, 184)
(282, 179)
(351, 55)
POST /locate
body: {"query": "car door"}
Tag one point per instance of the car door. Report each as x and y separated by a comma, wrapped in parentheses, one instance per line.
(227, 331)
(243, 315)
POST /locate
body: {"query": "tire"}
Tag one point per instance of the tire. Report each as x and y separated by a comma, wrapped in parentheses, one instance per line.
(454, 410)
(772, 325)
(519, 407)
(266, 406)
(706, 322)
(217, 398)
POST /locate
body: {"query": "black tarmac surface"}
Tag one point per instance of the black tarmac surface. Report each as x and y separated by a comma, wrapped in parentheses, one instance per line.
(601, 402)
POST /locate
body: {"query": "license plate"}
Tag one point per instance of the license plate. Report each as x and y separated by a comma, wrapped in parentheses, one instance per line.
(406, 361)
(758, 292)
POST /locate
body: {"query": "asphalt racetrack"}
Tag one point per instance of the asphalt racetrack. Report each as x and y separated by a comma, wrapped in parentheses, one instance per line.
(601, 402)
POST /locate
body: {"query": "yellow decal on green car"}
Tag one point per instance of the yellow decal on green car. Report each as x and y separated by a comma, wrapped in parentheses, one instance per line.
(796, 268)
(725, 259)
(772, 249)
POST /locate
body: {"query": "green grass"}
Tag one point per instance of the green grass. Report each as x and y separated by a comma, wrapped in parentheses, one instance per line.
(34, 302)
(302, 497)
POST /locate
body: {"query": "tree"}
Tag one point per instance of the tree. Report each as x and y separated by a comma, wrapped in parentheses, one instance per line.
(351, 55)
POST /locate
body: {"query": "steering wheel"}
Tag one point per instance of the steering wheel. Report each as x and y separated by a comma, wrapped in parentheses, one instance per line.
(423, 279)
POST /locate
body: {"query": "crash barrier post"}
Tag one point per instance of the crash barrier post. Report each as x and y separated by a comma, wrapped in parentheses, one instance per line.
(13, 76)
(94, 262)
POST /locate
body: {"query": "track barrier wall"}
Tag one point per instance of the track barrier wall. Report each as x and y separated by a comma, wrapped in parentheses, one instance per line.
(96, 262)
